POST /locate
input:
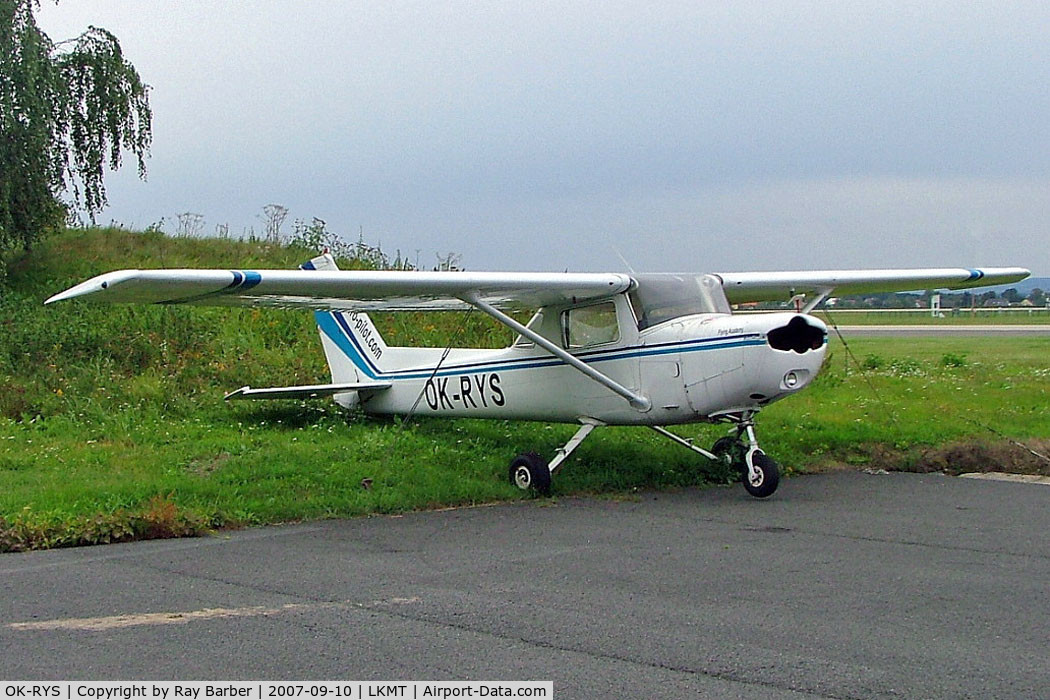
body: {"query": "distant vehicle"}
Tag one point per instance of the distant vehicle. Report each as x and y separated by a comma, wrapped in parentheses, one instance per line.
(603, 349)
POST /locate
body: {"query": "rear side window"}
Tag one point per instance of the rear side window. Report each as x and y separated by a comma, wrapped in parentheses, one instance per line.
(585, 326)
(533, 325)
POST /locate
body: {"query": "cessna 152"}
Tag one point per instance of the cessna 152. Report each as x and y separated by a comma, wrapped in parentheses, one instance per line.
(603, 349)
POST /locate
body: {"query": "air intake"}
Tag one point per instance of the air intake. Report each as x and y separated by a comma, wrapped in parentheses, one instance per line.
(798, 336)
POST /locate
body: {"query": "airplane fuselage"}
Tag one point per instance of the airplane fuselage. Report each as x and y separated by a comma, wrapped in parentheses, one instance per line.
(692, 368)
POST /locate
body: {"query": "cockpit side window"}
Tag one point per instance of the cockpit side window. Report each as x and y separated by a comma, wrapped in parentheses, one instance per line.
(659, 298)
(585, 326)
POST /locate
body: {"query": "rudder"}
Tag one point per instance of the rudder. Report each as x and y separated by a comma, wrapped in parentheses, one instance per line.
(352, 345)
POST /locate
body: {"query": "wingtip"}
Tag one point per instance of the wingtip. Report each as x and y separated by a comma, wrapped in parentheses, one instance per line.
(96, 284)
(68, 294)
(79, 290)
(236, 393)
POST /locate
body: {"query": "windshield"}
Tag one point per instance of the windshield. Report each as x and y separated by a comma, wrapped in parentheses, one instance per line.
(660, 298)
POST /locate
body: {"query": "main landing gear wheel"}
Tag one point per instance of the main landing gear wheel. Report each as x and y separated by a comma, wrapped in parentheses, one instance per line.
(530, 471)
(729, 449)
(763, 480)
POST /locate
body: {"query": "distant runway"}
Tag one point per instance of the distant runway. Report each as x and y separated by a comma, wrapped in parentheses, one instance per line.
(937, 329)
(842, 585)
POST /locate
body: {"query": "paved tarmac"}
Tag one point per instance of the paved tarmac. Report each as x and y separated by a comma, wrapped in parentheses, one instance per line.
(1033, 330)
(842, 585)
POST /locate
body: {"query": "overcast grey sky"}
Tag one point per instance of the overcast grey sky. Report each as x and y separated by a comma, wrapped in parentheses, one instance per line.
(543, 136)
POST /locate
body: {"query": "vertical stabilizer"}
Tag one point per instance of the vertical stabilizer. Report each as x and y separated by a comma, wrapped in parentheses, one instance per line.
(352, 345)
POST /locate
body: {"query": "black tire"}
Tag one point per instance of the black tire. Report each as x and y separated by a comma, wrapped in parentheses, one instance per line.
(730, 446)
(768, 476)
(529, 471)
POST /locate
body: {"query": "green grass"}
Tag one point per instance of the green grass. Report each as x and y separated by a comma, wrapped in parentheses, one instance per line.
(112, 424)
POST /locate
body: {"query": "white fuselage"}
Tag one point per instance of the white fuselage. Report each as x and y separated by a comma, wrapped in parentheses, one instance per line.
(692, 368)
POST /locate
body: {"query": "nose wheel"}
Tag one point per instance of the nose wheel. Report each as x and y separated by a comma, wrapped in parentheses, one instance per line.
(759, 472)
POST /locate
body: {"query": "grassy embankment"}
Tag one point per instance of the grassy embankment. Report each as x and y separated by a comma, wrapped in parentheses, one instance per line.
(112, 424)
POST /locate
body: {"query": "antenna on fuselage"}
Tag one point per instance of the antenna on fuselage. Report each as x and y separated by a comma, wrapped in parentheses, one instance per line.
(622, 259)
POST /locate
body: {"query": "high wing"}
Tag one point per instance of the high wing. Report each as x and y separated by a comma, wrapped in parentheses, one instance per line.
(743, 287)
(414, 290)
(348, 290)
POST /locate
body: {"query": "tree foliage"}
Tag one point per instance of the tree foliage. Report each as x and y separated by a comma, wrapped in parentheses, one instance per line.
(67, 111)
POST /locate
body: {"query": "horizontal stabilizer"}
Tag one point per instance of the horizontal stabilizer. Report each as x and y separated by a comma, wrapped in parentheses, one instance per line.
(309, 391)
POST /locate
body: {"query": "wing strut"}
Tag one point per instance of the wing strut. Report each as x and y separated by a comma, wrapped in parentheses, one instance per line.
(822, 294)
(637, 401)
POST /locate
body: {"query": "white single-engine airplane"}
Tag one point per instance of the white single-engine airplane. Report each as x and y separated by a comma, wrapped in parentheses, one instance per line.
(603, 349)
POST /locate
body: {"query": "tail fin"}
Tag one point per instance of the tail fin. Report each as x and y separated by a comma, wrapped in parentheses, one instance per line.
(352, 345)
